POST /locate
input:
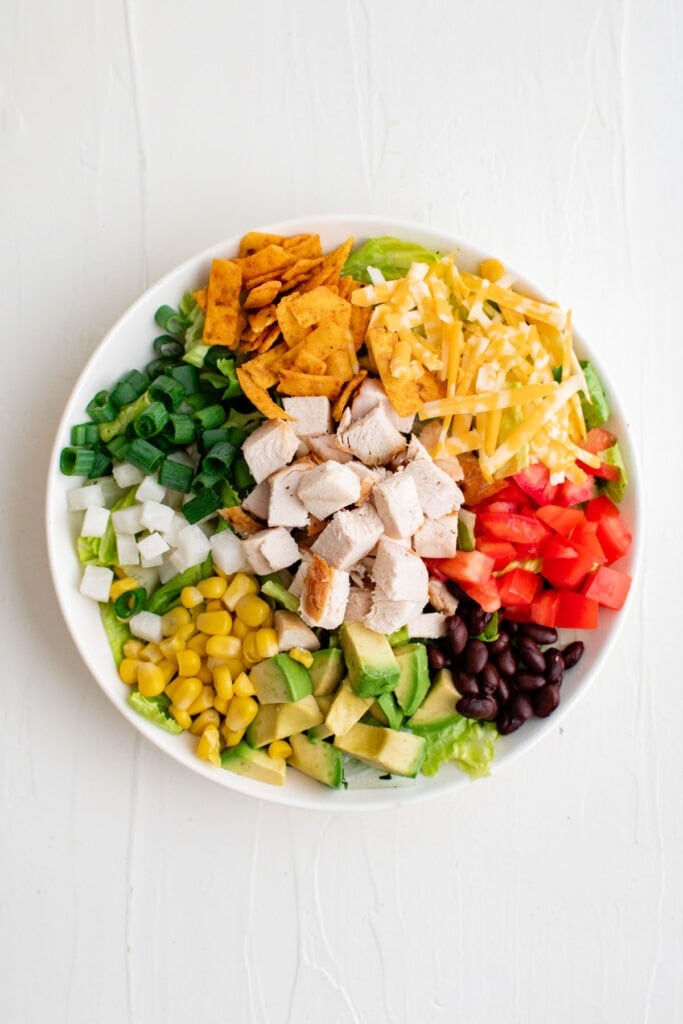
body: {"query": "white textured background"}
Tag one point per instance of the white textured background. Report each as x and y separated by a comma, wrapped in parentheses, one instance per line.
(135, 133)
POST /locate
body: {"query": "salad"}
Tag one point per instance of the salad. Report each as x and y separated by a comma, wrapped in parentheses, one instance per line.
(344, 509)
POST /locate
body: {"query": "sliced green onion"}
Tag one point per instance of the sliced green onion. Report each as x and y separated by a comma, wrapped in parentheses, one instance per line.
(237, 436)
(151, 421)
(202, 505)
(118, 446)
(157, 367)
(229, 498)
(144, 455)
(180, 428)
(204, 481)
(167, 390)
(130, 387)
(124, 418)
(199, 401)
(84, 434)
(210, 416)
(75, 461)
(196, 355)
(101, 465)
(219, 458)
(227, 369)
(216, 353)
(242, 478)
(187, 376)
(215, 435)
(169, 320)
(176, 475)
(167, 347)
(101, 409)
(130, 603)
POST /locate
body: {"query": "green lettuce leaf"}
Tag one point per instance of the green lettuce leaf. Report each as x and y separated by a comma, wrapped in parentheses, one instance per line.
(390, 255)
(154, 709)
(168, 595)
(470, 744)
(117, 632)
(102, 550)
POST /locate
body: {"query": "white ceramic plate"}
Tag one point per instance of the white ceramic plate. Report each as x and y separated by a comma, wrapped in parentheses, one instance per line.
(128, 345)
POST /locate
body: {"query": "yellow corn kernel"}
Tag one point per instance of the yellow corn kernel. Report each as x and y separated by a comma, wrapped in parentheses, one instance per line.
(173, 620)
(212, 588)
(243, 686)
(122, 586)
(181, 716)
(231, 737)
(186, 692)
(133, 648)
(492, 270)
(250, 655)
(170, 647)
(214, 606)
(203, 702)
(223, 646)
(151, 680)
(205, 674)
(151, 652)
(208, 717)
(304, 658)
(252, 610)
(189, 663)
(221, 704)
(239, 629)
(279, 748)
(222, 680)
(240, 586)
(168, 669)
(197, 643)
(266, 643)
(241, 712)
(190, 597)
(186, 632)
(171, 687)
(128, 671)
(223, 575)
(235, 665)
(209, 746)
(215, 623)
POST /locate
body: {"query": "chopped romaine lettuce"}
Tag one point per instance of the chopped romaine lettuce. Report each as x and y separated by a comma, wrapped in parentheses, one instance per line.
(614, 489)
(469, 743)
(390, 255)
(117, 632)
(169, 593)
(272, 588)
(155, 709)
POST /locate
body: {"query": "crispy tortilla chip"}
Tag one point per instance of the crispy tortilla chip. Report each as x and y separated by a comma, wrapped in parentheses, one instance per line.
(338, 364)
(259, 397)
(262, 318)
(200, 297)
(269, 337)
(262, 295)
(253, 241)
(308, 363)
(346, 393)
(263, 368)
(223, 318)
(430, 387)
(321, 305)
(332, 266)
(403, 394)
(292, 331)
(303, 245)
(358, 325)
(292, 382)
(241, 522)
(264, 265)
(299, 271)
(327, 338)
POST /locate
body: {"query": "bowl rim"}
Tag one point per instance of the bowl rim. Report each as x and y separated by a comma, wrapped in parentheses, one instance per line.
(309, 794)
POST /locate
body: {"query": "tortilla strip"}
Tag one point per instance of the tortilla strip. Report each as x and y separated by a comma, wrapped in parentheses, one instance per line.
(223, 316)
(302, 384)
(346, 393)
(259, 397)
(262, 295)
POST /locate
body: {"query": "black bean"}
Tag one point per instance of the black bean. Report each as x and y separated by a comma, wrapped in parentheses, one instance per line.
(520, 706)
(554, 665)
(572, 653)
(530, 654)
(478, 620)
(529, 681)
(466, 683)
(489, 678)
(546, 700)
(510, 627)
(543, 635)
(500, 643)
(505, 662)
(507, 723)
(503, 691)
(437, 659)
(457, 634)
(475, 656)
(481, 708)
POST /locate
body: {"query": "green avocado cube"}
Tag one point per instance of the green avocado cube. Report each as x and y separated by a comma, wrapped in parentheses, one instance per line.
(399, 753)
(413, 682)
(280, 680)
(254, 764)
(327, 670)
(370, 660)
(321, 761)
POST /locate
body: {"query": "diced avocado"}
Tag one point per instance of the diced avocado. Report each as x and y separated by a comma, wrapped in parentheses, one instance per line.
(370, 661)
(347, 709)
(320, 760)
(388, 705)
(595, 407)
(327, 670)
(438, 707)
(466, 521)
(280, 679)
(400, 753)
(413, 682)
(398, 637)
(322, 731)
(254, 764)
(154, 709)
(325, 702)
(614, 489)
(278, 721)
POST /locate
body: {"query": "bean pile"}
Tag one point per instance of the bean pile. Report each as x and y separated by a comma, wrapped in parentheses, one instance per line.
(508, 679)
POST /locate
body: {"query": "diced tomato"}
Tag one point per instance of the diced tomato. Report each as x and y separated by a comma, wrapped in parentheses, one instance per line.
(570, 493)
(485, 594)
(558, 547)
(600, 507)
(501, 551)
(598, 440)
(614, 536)
(544, 608)
(519, 586)
(513, 527)
(529, 551)
(562, 520)
(575, 611)
(603, 472)
(500, 507)
(609, 587)
(566, 572)
(518, 612)
(585, 539)
(433, 568)
(535, 481)
(467, 567)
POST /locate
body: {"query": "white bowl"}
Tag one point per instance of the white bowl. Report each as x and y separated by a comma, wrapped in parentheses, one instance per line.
(128, 345)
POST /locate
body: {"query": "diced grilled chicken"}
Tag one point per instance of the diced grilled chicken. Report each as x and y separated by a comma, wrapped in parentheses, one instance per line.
(312, 416)
(399, 574)
(324, 595)
(270, 447)
(292, 631)
(358, 605)
(372, 438)
(437, 492)
(327, 488)
(258, 500)
(386, 616)
(326, 447)
(437, 538)
(285, 507)
(441, 598)
(398, 505)
(349, 536)
(371, 394)
(271, 550)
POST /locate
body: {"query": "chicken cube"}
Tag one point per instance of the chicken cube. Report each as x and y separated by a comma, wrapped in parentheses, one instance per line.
(396, 499)
(327, 488)
(428, 626)
(370, 394)
(270, 550)
(386, 616)
(349, 536)
(372, 438)
(438, 492)
(269, 448)
(325, 594)
(292, 631)
(399, 574)
(327, 448)
(285, 507)
(312, 415)
(437, 538)
(257, 501)
(358, 605)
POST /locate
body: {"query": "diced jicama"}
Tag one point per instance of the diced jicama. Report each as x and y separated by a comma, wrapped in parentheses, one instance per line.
(150, 490)
(192, 548)
(81, 498)
(95, 521)
(157, 516)
(127, 549)
(126, 475)
(151, 547)
(96, 582)
(227, 553)
(146, 626)
(127, 520)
